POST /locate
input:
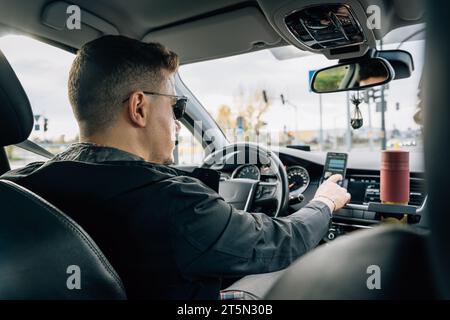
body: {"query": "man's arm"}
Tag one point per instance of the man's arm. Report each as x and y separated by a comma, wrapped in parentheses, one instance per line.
(211, 238)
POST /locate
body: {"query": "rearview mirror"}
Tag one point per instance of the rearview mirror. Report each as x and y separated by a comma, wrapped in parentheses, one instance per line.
(357, 75)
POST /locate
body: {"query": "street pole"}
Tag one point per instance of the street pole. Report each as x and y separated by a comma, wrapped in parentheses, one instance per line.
(285, 101)
(383, 123)
(348, 135)
(370, 127)
(383, 107)
(321, 124)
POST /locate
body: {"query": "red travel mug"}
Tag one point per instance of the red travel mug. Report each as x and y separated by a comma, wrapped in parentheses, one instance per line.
(394, 180)
(394, 177)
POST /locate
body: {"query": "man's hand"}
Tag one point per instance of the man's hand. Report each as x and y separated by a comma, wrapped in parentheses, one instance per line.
(332, 194)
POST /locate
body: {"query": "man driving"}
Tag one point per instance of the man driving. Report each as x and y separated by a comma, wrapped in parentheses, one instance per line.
(167, 234)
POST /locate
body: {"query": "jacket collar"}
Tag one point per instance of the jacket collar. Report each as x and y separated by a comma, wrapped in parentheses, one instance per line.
(93, 153)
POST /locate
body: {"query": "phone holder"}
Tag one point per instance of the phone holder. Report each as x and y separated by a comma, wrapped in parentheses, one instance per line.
(389, 210)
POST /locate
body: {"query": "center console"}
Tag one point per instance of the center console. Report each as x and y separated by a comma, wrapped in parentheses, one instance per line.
(366, 210)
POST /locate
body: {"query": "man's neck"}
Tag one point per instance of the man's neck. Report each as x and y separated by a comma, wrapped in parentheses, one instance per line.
(129, 145)
(115, 143)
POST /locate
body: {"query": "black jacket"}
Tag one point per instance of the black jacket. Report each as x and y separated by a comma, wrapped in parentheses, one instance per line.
(167, 234)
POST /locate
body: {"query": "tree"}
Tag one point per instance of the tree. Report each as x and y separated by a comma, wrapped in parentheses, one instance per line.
(248, 104)
(251, 106)
(225, 118)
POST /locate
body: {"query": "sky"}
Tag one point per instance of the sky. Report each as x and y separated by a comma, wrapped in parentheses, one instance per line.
(43, 71)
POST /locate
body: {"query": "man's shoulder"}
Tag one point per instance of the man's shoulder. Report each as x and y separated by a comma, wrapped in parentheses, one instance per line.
(177, 180)
(23, 171)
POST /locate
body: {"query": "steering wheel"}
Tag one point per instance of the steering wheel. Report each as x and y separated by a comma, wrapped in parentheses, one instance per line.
(245, 193)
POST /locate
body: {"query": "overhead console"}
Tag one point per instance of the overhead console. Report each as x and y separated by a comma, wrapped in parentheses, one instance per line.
(337, 29)
(325, 26)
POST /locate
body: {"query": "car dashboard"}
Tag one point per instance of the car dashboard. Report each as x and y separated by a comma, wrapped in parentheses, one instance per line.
(304, 171)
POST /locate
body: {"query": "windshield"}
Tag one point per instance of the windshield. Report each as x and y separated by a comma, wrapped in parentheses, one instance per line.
(264, 97)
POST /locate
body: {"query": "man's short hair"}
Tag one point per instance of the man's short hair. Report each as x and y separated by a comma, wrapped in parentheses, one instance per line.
(108, 69)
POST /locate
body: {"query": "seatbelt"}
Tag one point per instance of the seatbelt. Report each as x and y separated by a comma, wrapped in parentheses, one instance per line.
(35, 148)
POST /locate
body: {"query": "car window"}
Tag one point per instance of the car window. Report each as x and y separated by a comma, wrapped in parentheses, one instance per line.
(19, 157)
(190, 150)
(265, 97)
(43, 71)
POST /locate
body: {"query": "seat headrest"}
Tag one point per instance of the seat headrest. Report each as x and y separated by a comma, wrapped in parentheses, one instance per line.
(16, 116)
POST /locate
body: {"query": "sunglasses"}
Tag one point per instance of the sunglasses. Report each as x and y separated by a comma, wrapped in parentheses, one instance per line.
(178, 103)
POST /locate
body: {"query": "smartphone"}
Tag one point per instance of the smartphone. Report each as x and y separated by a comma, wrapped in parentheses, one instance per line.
(336, 163)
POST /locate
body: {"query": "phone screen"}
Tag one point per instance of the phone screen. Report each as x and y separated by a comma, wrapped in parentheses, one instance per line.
(336, 163)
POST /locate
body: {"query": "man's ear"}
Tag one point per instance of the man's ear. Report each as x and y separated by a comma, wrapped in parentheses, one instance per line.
(136, 109)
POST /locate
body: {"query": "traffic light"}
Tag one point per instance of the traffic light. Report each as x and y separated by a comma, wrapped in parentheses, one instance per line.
(45, 125)
(266, 100)
(240, 122)
(366, 96)
(374, 94)
(37, 127)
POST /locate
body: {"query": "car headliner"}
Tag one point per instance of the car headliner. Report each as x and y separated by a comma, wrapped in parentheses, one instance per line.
(197, 30)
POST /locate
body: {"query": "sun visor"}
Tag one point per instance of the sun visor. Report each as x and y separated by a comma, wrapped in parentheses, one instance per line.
(225, 34)
(54, 15)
